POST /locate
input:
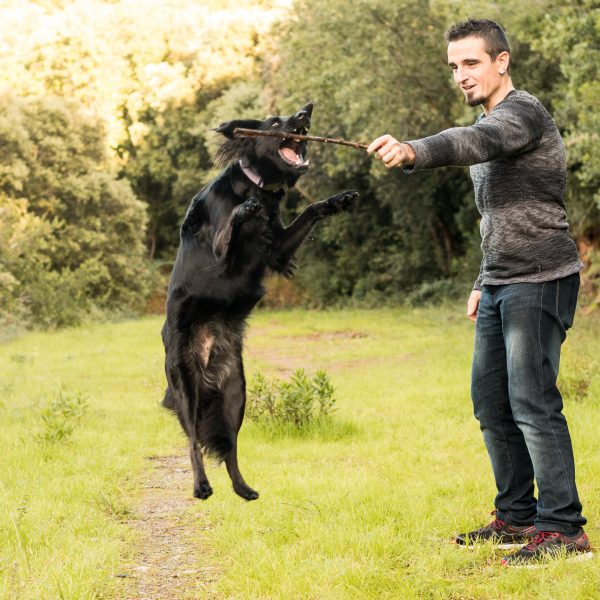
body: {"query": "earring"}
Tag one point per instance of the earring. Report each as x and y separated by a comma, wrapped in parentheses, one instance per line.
(502, 71)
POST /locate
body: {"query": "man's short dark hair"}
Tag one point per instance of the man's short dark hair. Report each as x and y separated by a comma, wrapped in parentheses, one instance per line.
(492, 34)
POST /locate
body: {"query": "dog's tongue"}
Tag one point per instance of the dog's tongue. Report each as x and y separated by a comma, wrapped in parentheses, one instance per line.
(290, 154)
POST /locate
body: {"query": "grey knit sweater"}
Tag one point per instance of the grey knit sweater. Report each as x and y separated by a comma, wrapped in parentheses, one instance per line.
(517, 163)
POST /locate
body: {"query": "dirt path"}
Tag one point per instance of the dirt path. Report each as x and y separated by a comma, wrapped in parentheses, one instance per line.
(170, 562)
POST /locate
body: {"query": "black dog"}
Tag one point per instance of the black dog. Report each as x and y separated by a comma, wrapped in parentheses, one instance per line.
(231, 236)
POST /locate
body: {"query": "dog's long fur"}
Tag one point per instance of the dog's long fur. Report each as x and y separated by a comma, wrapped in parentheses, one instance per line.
(231, 236)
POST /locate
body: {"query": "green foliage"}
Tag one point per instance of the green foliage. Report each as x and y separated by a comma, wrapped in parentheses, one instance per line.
(405, 230)
(60, 415)
(71, 236)
(298, 402)
(570, 37)
(114, 88)
(381, 69)
(109, 86)
(431, 293)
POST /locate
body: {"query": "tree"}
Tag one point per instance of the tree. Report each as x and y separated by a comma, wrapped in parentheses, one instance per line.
(570, 37)
(366, 83)
(81, 230)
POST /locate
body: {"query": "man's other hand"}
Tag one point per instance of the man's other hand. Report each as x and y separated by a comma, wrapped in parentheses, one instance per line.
(473, 304)
(392, 152)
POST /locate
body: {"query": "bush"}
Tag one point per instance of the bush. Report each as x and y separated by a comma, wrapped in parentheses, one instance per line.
(71, 233)
(435, 292)
(60, 416)
(298, 402)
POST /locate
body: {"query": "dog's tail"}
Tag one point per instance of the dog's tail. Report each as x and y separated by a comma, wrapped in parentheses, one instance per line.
(215, 435)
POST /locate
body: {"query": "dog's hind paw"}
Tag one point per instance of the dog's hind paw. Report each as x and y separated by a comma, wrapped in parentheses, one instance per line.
(247, 493)
(343, 201)
(203, 491)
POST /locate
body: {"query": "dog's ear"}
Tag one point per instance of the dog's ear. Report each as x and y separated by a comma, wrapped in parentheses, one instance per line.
(227, 128)
(307, 108)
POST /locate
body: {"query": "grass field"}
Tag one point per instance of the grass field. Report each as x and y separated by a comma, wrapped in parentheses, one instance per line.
(362, 508)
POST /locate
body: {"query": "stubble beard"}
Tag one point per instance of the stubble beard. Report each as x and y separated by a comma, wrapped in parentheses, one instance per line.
(475, 100)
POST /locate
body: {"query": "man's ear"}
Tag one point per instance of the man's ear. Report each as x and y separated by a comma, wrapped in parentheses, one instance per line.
(503, 60)
(227, 128)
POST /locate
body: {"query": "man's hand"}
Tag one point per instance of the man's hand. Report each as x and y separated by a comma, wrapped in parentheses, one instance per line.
(473, 305)
(392, 152)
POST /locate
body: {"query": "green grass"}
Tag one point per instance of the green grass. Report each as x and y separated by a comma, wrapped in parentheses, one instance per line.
(361, 507)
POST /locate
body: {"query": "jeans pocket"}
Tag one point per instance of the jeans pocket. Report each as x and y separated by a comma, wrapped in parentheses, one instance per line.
(567, 290)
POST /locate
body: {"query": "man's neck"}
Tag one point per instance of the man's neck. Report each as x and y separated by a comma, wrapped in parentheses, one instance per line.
(499, 95)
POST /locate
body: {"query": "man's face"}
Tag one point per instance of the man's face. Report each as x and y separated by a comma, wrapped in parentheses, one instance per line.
(474, 71)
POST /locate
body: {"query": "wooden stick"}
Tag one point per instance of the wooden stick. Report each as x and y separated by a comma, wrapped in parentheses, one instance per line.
(241, 132)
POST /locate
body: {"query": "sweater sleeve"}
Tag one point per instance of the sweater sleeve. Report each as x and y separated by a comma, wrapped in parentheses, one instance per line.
(511, 128)
(478, 285)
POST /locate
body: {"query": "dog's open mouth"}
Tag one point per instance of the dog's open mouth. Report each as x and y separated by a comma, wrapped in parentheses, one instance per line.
(290, 150)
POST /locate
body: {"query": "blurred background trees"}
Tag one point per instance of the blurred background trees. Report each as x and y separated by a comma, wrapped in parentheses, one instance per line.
(71, 231)
(106, 117)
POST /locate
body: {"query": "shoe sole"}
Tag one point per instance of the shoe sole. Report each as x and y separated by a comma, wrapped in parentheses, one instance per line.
(503, 546)
(579, 557)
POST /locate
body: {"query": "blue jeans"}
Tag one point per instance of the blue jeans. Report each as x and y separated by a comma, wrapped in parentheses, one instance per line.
(519, 331)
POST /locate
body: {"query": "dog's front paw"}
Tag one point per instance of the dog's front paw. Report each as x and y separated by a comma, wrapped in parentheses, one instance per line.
(342, 202)
(248, 209)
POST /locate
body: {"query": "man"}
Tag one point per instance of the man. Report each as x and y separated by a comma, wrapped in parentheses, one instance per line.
(524, 298)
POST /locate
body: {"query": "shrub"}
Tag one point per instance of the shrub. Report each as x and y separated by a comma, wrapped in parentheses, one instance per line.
(60, 416)
(298, 402)
(71, 233)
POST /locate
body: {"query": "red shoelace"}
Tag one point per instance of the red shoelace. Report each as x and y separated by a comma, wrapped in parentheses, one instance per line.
(540, 538)
(497, 523)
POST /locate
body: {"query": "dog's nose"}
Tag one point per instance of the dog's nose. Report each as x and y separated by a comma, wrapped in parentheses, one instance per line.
(305, 112)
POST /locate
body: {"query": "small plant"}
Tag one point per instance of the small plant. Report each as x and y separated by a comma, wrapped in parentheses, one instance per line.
(113, 504)
(577, 371)
(298, 401)
(576, 376)
(60, 415)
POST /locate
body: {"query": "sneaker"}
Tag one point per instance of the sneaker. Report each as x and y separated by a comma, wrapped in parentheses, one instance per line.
(551, 544)
(499, 532)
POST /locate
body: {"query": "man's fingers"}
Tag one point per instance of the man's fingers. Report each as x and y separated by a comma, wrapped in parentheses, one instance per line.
(473, 305)
(391, 146)
(389, 150)
(376, 144)
(395, 161)
(389, 155)
(395, 156)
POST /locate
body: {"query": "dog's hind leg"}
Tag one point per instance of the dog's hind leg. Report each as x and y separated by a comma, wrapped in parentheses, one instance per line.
(234, 397)
(202, 488)
(185, 399)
